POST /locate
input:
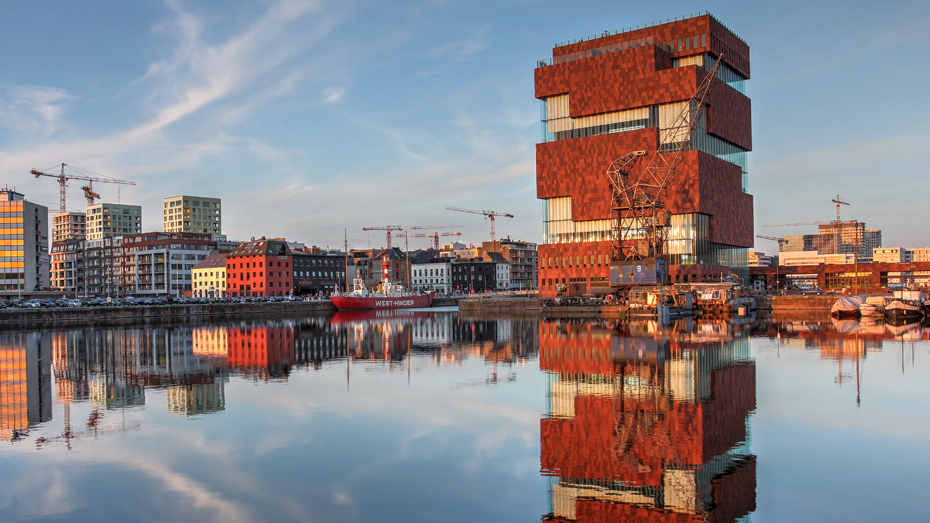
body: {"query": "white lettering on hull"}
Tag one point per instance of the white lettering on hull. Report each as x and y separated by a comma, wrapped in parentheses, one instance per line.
(393, 303)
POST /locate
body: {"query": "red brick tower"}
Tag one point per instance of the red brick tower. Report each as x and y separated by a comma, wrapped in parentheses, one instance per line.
(610, 95)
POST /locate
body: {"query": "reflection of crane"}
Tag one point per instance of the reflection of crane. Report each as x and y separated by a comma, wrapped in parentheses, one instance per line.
(640, 219)
(390, 228)
(88, 189)
(435, 236)
(489, 214)
(93, 429)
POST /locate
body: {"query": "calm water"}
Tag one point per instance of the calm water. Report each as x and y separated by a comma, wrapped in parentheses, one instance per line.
(433, 417)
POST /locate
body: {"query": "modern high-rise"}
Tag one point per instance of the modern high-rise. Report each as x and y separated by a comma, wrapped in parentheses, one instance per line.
(24, 256)
(105, 220)
(192, 214)
(612, 94)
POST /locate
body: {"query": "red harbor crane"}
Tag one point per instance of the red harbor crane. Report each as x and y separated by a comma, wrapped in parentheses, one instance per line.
(489, 214)
(88, 189)
(390, 228)
(640, 221)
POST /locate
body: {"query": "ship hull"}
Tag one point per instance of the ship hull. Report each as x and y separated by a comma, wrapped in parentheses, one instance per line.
(405, 302)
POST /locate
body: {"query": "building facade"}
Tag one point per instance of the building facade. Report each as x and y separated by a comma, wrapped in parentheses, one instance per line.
(161, 264)
(192, 214)
(433, 274)
(523, 259)
(209, 277)
(105, 220)
(474, 276)
(892, 255)
(24, 245)
(259, 268)
(608, 96)
(70, 225)
(318, 274)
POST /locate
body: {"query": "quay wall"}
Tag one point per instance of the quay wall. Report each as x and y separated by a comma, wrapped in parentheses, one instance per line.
(154, 313)
(818, 303)
(533, 307)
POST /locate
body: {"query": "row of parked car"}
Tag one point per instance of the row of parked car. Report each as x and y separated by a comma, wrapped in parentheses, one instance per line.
(131, 301)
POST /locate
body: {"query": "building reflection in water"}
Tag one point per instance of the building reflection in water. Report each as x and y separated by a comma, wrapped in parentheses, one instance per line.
(25, 383)
(646, 424)
(112, 369)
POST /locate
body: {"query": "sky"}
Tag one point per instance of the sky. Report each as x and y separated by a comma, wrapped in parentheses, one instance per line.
(309, 118)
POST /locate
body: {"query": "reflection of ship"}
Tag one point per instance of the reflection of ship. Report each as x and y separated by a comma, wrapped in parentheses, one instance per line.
(651, 427)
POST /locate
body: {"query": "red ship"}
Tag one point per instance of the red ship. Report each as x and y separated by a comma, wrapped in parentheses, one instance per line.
(393, 297)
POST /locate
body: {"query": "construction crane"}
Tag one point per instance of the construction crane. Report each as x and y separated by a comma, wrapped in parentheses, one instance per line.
(781, 241)
(435, 236)
(837, 226)
(640, 221)
(489, 214)
(390, 228)
(63, 184)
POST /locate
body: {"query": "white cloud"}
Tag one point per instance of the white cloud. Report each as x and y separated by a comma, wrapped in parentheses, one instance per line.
(334, 95)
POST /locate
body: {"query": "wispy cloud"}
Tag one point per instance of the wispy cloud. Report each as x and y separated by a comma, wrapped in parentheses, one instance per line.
(334, 95)
(32, 110)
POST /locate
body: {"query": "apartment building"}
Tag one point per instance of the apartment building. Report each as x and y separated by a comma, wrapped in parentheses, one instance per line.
(198, 214)
(105, 220)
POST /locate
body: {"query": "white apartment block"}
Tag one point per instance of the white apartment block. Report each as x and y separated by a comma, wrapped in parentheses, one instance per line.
(920, 254)
(760, 259)
(435, 276)
(186, 213)
(105, 220)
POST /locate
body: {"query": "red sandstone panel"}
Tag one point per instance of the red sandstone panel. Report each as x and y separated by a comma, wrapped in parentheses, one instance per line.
(642, 77)
(733, 398)
(705, 184)
(719, 40)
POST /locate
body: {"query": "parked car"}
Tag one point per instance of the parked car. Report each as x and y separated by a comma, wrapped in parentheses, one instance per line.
(74, 303)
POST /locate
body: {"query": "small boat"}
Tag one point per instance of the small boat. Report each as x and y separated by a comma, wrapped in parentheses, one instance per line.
(898, 309)
(846, 307)
(873, 306)
(393, 296)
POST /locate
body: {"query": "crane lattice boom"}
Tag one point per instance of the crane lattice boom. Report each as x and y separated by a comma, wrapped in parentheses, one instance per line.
(88, 189)
(435, 236)
(489, 214)
(640, 221)
(390, 228)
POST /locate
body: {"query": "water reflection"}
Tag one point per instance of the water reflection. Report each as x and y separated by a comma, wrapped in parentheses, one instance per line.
(648, 424)
(25, 384)
(411, 414)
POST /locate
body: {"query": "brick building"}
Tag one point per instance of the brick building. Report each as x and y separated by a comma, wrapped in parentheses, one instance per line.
(259, 268)
(606, 96)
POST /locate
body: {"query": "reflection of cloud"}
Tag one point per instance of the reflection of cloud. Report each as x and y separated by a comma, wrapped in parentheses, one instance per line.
(43, 493)
(341, 497)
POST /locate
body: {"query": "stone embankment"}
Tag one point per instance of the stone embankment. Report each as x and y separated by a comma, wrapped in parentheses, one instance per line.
(155, 313)
(803, 303)
(532, 307)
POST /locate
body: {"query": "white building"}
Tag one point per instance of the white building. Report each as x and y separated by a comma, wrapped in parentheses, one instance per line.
(798, 258)
(504, 271)
(760, 259)
(920, 254)
(892, 255)
(432, 276)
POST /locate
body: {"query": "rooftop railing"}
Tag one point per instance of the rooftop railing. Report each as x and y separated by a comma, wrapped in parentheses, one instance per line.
(645, 26)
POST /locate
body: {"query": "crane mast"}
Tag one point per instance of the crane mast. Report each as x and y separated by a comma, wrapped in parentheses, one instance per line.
(640, 220)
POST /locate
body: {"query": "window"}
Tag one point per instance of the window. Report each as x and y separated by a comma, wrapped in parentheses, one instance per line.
(704, 40)
(679, 44)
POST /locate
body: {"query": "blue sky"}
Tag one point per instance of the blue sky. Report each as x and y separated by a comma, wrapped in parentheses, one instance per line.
(308, 117)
